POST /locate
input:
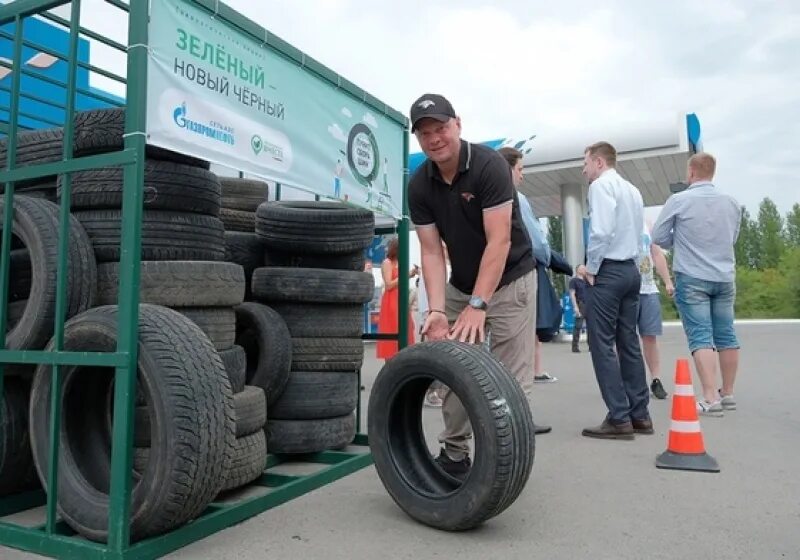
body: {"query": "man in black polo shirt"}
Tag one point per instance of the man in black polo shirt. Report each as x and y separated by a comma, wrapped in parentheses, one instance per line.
(463, 195)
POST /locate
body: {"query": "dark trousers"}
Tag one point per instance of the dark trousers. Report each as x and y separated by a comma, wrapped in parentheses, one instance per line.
(613, 308)
(578, 325)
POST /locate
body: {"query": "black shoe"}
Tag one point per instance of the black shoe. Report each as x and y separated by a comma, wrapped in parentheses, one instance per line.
(576, 350)
(609, 430)
(643, 426)
(456, 469)
(542, 429)
(658, 389)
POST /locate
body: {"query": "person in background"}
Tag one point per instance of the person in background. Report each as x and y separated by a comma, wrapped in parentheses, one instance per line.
(650, 323)
(577, 294)
(388, 320)
(541, 247)
(701, 224)
(615, 230)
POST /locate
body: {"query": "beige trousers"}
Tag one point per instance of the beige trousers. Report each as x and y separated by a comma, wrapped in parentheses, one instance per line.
(511, 328)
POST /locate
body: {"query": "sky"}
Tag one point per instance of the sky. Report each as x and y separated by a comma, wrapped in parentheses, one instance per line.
(513, 68)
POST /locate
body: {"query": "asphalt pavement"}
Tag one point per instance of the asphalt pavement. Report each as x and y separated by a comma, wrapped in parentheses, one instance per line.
(586, 499)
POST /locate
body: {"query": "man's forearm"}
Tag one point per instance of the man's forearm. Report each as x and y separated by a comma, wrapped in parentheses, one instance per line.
(491, 269)
(434, 277)
(660, 263)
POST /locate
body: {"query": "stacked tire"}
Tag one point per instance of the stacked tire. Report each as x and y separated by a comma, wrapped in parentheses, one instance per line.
(31, 316)
(314, 280)
(240, 199)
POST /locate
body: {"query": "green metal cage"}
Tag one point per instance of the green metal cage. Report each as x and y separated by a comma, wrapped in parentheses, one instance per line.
(54, 538)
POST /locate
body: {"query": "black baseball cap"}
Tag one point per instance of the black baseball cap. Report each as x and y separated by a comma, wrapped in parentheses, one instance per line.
(431, 106)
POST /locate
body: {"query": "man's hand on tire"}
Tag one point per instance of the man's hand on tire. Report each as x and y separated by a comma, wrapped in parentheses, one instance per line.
(436, 327)
(470, 326)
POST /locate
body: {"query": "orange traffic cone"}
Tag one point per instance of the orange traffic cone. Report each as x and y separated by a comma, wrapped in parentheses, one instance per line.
(685, 448)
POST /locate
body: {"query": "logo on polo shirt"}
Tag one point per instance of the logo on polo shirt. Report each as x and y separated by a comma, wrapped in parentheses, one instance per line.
(468, 196)
(425, 103)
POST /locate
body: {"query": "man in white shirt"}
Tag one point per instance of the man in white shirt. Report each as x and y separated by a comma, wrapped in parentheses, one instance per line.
(616, 223)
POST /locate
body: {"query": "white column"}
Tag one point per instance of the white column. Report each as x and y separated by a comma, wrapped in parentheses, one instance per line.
(572, 205)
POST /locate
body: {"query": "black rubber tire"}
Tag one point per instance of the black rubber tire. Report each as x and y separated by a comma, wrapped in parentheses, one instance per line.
(96, 131)
(191, 416)
(34, 146)
(347, 261)
(243, 194)
(250, 410)
(235, 361)
(19, 275)
(37, 188)
(166, 236)
(498, 410)
(238, 220)
(312, 285)
(322, 320)
(177, 283)
(244, 249)
(311, 395)
(100, 130)
(35, 228)
(219, 323)
(310, 436)
(167, 186)
(16, 461)
(314, 227)
(323, 354)
(249, 461)
(268, 346)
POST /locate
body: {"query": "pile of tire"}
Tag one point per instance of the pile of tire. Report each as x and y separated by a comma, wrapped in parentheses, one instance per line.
(240, 199)
(314, 279)
(183, 266)
(194, 437)
(31, 317)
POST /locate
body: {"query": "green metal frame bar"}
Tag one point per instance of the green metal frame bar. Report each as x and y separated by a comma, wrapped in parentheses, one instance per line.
(130, 259)
(47, 50)
(101, 359)
(61, 275)
(8, 208)
(124, 157)
(88, 32)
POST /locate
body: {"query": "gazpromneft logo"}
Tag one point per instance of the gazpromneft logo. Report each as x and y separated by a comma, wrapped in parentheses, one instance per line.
(213, 129)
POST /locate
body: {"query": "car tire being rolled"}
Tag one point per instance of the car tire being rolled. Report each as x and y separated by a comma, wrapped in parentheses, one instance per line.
(503, 434)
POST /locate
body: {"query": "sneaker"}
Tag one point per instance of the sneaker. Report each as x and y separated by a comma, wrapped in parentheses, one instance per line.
(658, 389)
(456, 469)
(728, 402)
(705, 408)
(544, 378)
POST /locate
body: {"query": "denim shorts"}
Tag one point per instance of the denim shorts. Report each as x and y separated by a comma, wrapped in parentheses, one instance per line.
(650, 323)
(706, 310)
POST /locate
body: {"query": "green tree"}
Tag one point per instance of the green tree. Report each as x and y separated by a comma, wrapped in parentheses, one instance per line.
(747, 244)
(790, 269)
(555, 228)
(770, 233)
(793, 226)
